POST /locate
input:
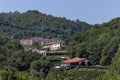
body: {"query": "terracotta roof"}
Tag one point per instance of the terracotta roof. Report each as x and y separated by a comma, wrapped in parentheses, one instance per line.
(74, 60)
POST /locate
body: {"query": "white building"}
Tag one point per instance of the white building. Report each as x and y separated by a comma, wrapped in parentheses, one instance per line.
(75, 62)
(59, 45)
(42, 51)
(55, 45)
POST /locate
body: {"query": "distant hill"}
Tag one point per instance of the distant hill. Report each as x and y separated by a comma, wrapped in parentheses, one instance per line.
(99, 43)
(33, 23)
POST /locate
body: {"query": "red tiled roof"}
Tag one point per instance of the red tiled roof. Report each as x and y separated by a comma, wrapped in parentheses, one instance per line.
(74, 60)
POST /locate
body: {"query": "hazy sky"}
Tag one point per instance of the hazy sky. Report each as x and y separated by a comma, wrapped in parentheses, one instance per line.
(91, 11)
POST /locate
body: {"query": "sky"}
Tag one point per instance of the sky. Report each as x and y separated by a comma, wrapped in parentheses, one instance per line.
(90, 11)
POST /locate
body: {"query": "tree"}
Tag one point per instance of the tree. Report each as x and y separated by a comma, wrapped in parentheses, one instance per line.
(33, 23)
(10, 73)
(39, 68)
(114, 70)
(50, 76)
(22, 60)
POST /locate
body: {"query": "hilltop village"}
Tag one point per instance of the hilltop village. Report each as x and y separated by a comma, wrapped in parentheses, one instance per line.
(45, 46)
(86, 53)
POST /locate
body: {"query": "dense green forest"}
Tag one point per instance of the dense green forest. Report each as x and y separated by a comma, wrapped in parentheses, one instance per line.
(15, 64)
(33, 23)
(114, 70)
(99, 43)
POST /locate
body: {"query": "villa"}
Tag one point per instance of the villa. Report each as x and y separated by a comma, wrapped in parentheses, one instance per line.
(75, 62)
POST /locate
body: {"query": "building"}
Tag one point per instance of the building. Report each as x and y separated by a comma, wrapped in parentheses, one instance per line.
(45, 45)
(41, 51)
(58, 45)
(75, 62)
(40, 41)
(26, 49)
(35, 50)
(26, 42)
(55, 45)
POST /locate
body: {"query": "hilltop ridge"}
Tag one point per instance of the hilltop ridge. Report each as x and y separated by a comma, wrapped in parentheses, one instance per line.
(33, 23)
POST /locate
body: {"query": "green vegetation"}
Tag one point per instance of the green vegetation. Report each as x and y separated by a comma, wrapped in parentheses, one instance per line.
(19, 65)
(8, 47)
(10, 73)
(33, 23)
(84, 75)
(75, 74)
(114, 70)
(17, 61)
(99, 43)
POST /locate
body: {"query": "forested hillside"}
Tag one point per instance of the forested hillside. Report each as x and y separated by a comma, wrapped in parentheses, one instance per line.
(99, 44)
(33, 23)
(114, 70)
(7, 48)
(15, 64)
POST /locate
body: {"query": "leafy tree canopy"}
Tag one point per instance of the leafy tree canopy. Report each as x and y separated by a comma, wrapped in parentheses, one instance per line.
(99, 43)
(33, 23)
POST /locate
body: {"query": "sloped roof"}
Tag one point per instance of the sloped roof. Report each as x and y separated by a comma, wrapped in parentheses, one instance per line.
(74, 60)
